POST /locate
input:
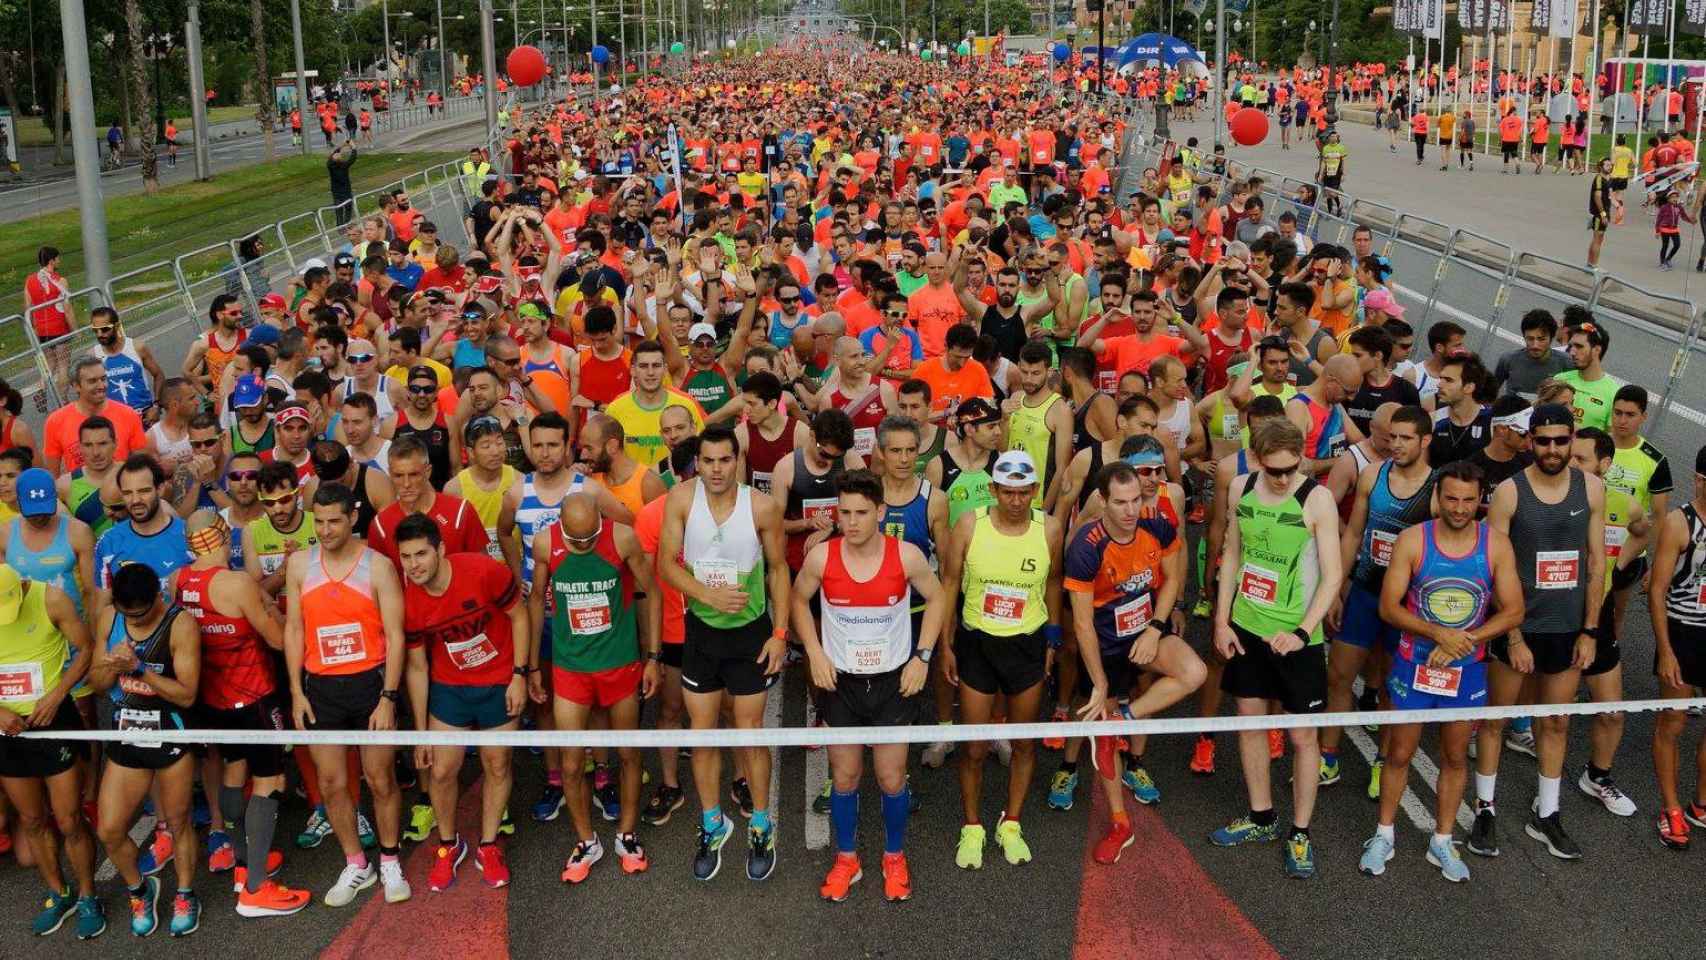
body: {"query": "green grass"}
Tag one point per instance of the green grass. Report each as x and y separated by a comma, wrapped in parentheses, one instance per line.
(34, 131)
(145, 229)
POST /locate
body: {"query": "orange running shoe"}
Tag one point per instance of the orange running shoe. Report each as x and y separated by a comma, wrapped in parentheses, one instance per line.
(843, 874)
(489, 857)
(271, 900)
(1276, 744)
(1109, 848)
(1056, 743)
(1202, 759)
(897, 879)
(1673, 829)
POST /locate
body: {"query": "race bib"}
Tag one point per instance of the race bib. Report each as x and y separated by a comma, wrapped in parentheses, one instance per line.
(129, 719)
(493, 550)
(1132, 616)
(21, 681)
(716, 572)
(864, 440)
(816, 507)
(339, 644)
(589, 614)
(1229, 425)
(1557, 569)
(1004, 605)
(476, 651)
(1439, 681)
(1700, 596)
(868, 653)
(761, 481)
(1380, 546)
(1615, 538)
(1258, 585)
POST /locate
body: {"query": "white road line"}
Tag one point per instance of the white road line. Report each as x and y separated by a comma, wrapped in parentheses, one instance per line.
(773, 718)
(1410, 803)
(141, 832)
(817, 771)
(1420, 763)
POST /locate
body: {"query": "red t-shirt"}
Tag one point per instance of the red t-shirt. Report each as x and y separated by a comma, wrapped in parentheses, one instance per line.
(466, 629)
(1130, 353)
(458, 522)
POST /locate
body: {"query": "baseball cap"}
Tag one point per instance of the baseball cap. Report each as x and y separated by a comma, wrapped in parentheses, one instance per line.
(311, 263)
(11, 594)
(261, 335)
(421, 371)
(489, 284)
(1383, 301)
(1014, 469)
(531, 309)
(976, 410)
(344, 260)
(273, 301)
(36, 497)
(701, 330)
(293, 412)
(248, 392)
(1551, 415)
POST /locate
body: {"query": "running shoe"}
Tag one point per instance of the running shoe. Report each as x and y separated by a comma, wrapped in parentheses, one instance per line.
(221, 855)
(315, 831)
(351, 881)
(1550, 831)
(820, 803)
(1202, 758)
(630, 854)
(1695, 813)
(494, 869)
(91, 918)
(422, 821)
(1244, 830)
(897, 878)
(1330, 772)
(1061, 788)
(665, 801)
(1003, 750)
(1522, 741)
(144, 907)
(186, 914)
(1276, 744)
(760, 853)
(550, 804)
(1606, 792)
(843, 874)
(1673, 830)
(157, 855)
(741, 795)
(445, 860)
(271, 900)
(56, 906)
(935, 754)
(1376, 854)
(1443, 854)
(391, 877)
(1141, 785)
(607, 800)
(1118, 837)
(709, 859)
(581, 859)
(969, 854)
(1299, 857)
(1374, 772)
(364, 831)
(1012, 841)
(1202, 609)
(1056, 743)
(506, 826)
(1483, 836)
(240, 873)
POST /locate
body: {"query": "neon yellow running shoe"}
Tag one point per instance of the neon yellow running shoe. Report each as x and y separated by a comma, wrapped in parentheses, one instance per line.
(969, 856)
(1012, 842)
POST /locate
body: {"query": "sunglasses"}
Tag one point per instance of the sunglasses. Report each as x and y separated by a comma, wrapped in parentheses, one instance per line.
(102, 331)
(788, 299)
(241, 476)
(422, 389)
(276, 500)
(204, 444)
(1280, 473)
(1563, 441)
(1147, 472)
(506, 361)
(360, 358)
(587, 540)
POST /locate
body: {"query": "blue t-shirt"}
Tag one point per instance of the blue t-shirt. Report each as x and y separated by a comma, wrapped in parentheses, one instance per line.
(409, 274)
(163, 552)
(958, 146)
(868, 340)
(127, 381)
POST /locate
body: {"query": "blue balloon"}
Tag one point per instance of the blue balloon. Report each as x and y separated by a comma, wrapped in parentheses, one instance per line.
(1062, 53)
(601, 54)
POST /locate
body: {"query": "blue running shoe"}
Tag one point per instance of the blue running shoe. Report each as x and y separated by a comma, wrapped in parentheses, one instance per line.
(1244, 830)
(1299, 857)
(91, 918)
(550, 804)
(1376, 854)
(143, 907)
(55, 907)
(186, 913)
(1443, 854)
(1142, 787)
(1061, 789)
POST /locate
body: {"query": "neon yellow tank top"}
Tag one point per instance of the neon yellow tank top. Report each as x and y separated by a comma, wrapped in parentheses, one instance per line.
(1027, 430)
(488, 504)
(33, 654)
(1004, 578)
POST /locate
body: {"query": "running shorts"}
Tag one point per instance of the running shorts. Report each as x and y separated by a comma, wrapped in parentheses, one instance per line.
(27, 759)
(1362, 626)
(1298, 680)
(265, 715)
(468, 707)
(1689, 645)
(714, 659)
(868, 700)
(1417, 686)
(1553, 652)
(991, 665)
(145, 754)
(343, 702)
(599, 688)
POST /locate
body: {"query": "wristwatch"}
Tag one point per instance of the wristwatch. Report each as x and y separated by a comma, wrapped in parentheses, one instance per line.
(522, 671)
(654, 655)
(1303, 635)
(390, 695)
(924, 654)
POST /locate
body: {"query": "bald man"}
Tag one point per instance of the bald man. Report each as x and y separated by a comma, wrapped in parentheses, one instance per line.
(1374, 448)
(586, 573)
(1318, 410)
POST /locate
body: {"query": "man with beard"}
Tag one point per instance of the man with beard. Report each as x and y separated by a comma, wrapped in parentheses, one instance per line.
(485, 397)
(1462, 422)
(283, 529)
(81, 488)
(253, 430)
(370, 486)
(422, 420)
(133, 375)
(242, 476)
(147, 534)
(1039, 422)
(458, 521)
(603, 451)
(1554, 515)
(209, 355)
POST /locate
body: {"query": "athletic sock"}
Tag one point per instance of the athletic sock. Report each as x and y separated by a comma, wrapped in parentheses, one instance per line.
(897, 807)
(1068, 766)
(554, 778)
(356, 860)
(231, 811)
(1329, 757)
(1297, 831)
(1598, 774)
(1387, 832)
(1484, 786)
(390, 854)
(1548, 796)
(711, 820)
(259, 820)
(844, 816)
(761, 820)
(1120, 817)
(1263, 818)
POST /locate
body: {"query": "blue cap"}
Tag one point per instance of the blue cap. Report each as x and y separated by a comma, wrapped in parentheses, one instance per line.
(36, 496)
(247, 393)
(261, 335)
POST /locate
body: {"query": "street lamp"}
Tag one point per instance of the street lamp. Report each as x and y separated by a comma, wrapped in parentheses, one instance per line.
(157, 47)
(388, 17)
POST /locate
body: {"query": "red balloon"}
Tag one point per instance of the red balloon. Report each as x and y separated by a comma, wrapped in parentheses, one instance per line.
(526, 65)
(1249, 126)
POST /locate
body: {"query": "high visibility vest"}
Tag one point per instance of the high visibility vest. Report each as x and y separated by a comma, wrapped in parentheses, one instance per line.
(473, 175)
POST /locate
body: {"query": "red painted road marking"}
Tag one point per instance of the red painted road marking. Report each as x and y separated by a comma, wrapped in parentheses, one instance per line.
(468, 920)
(1157, 901)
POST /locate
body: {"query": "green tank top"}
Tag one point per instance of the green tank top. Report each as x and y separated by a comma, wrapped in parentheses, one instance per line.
(240, 445)
(1278, 574)
(1027, 430)
(592, 623)
(1004, 578)
(725, 554)
(94, 514)
(710, 388)
(33, 654)
(965, 489)
(930, 453)
(270, 543)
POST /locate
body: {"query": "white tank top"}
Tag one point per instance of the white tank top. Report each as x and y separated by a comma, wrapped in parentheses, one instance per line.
(867, 624)
(170, 450)
(732, 548)
(381, 397)
(1178, 425)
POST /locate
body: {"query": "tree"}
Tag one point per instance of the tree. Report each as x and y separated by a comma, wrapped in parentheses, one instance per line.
(263, 75)
(145, 93)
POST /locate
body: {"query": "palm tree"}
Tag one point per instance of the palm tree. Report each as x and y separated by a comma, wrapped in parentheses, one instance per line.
(263, 76)
(145, 93)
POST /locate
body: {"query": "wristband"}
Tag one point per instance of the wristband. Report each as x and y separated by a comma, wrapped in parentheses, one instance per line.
(780, 633)
(1302, 634)
(1053, 636)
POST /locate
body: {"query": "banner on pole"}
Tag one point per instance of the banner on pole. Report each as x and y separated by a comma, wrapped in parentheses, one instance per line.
(1693, 17)
(1541, 11)
(1563, 18)
(1649, 17)
(1404, 19)
(1196, 7)
(1433, 20)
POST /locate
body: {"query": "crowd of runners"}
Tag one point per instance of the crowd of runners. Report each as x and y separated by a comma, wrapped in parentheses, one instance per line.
(878, 383)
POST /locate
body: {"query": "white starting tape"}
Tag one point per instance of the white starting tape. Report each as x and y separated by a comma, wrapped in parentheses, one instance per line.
(819, 736)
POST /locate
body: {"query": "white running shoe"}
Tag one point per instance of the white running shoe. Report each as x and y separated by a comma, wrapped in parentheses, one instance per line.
(391, 875)
(1607, 793)
(352, 881)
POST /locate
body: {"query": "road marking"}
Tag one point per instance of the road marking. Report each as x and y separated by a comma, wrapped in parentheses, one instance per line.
(1410, 803)
(817, 771)
(1420, 763)
(773, 718)
(140, 833)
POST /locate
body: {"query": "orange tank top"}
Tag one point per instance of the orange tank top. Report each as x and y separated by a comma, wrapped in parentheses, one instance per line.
(630, 492)
(342, 631)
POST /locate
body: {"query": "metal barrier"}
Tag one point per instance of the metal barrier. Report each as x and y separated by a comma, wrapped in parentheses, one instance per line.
(1653, 335)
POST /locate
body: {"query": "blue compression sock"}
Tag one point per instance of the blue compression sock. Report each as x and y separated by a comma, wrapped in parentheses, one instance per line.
(896, 808)
(844, 814)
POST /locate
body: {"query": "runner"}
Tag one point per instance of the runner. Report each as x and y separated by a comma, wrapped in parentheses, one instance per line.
(492, 487)
(1595, 390)
(281, 530)
(462, 617)
(1039, 422)
(768, 434)
(733, 574)
(1676, 587)
(1276, 588)
(458, 522)
(803, 485)
(666, 608)
(1006, 560)
(873, 656)
(1462, 421)
(423, 419)
(1445, 579)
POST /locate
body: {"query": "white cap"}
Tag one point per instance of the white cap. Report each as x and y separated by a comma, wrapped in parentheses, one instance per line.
(310, 264)
(1014, 469)
(701, 330)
